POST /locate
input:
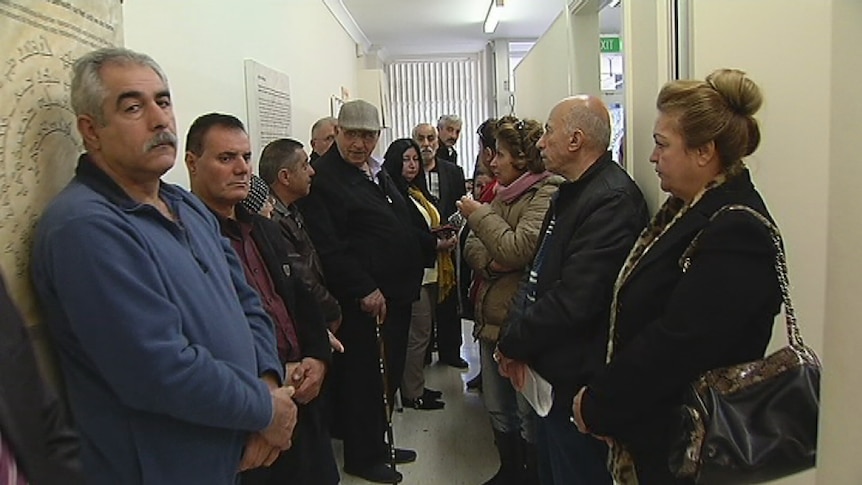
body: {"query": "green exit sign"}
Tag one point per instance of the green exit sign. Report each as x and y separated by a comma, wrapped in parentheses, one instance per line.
(610, 44)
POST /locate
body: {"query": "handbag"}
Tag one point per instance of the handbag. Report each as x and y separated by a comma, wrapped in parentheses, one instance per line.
(752, 422)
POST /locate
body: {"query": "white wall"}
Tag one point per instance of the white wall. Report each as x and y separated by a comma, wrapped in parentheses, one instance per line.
(840, 419)
(564, 61)
(542, 77)
(646, 67)
(201, 45)
(807, 168)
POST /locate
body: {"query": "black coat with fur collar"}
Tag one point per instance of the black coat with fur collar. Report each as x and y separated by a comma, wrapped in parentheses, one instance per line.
(673, 326)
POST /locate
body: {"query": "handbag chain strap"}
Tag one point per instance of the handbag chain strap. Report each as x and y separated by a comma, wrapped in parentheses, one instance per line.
(794, 337)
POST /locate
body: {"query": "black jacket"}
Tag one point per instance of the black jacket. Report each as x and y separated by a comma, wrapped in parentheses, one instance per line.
(303, 308)
(452, 187)
(32, 418)
(563, 334)
(447, 154)
(362, 232)
(673, 326)
(304, 259)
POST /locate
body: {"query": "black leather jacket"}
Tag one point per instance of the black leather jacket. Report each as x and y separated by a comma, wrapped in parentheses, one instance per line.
(563, 335)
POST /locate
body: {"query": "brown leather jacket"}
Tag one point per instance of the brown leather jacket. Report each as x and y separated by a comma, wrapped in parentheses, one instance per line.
(304, 259)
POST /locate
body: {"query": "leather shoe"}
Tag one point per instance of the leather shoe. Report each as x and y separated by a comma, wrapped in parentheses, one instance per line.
(403, 456)
(422, 403)
(431, 393)
(457, 363)
(379, 473)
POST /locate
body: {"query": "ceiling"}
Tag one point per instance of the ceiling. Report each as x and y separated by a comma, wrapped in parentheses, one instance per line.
(416, 28)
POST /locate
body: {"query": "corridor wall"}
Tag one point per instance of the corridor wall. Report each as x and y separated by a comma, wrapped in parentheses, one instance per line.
(201, 46)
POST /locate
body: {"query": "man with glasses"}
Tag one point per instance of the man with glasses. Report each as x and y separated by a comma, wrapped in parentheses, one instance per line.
(360, 224)
(322, 136)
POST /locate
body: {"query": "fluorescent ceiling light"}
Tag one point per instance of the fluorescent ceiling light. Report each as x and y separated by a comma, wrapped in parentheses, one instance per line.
(492, 18)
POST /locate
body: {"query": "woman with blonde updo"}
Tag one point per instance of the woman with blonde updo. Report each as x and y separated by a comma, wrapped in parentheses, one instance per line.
(670, 321)
(499, 249)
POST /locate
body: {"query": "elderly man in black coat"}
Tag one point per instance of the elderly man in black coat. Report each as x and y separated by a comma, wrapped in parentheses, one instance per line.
(360, 224)
(445, 182)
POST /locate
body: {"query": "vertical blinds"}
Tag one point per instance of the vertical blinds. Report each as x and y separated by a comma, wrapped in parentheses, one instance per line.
(421, 91)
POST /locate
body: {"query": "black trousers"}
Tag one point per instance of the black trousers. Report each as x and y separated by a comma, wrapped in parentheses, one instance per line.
(357, 386)
(309, 461)
(448, 322)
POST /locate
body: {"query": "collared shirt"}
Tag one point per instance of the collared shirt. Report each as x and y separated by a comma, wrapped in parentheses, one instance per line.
(432, 180)
(239, 234)
(374, 168)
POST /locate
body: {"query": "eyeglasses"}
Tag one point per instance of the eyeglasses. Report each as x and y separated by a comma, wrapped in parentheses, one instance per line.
(365, 135)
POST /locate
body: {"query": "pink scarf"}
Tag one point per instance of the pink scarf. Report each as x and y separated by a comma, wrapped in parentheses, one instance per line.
(514, 190)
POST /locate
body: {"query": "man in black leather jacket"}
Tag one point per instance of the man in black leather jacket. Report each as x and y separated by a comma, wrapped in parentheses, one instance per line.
(558, 324)
(285, 168)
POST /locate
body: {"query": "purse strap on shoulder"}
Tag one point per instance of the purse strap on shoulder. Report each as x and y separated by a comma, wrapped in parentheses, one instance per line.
(794, 337)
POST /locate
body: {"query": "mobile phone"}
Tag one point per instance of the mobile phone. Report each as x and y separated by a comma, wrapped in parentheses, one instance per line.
(444, 232)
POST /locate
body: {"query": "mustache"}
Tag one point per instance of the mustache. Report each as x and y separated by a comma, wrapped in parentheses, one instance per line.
(162, 138)
(427, 150)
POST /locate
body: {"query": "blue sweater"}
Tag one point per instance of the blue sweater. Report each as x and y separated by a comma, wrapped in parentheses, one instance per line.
(160, 338)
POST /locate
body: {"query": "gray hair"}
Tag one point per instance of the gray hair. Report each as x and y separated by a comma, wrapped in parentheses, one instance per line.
(329, 120)
(422, 125)
(88, 90)
(596, 129)
(447, 120)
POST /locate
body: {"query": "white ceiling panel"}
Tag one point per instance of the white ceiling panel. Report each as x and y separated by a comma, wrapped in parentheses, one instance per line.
(417, 28)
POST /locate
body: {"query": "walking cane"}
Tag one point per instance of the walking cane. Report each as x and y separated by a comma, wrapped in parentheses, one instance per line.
(383, 376)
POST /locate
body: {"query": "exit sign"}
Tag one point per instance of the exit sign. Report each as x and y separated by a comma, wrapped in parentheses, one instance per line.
(610, 44)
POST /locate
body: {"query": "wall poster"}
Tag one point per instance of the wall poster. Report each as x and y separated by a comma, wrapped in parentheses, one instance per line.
(39, 143)
(267, 95)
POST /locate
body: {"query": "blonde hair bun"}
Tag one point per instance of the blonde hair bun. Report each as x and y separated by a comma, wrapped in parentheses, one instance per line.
(742, 95)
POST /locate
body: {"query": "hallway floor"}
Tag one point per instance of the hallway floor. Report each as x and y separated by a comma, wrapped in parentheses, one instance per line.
(454, 444)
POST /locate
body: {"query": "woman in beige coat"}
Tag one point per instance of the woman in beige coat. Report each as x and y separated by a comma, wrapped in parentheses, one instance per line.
(500, 249)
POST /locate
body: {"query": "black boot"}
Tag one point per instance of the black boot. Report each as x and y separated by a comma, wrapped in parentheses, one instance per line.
(530, 463)
(508, 447)
(475, 383)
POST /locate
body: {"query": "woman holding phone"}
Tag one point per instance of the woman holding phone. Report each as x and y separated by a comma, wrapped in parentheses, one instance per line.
(403, 164)
(500, 248)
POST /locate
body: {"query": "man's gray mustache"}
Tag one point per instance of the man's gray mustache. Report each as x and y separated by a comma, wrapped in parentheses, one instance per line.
(163, 138)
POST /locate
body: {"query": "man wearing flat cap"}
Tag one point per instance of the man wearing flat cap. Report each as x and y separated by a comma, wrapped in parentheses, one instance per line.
(360, 224)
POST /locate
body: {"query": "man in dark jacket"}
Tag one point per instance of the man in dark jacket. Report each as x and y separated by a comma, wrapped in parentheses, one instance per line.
(448, 132)
(217, 157)
(37, 446)
(558, 325)
(322, 136)
(360, 225)
(445, 182)
(285, 168)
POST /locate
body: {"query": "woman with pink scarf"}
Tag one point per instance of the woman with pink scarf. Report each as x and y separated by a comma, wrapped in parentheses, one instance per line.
(500, 247)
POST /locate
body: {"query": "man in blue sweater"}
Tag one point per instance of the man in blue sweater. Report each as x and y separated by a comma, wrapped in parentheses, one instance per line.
(169, 359)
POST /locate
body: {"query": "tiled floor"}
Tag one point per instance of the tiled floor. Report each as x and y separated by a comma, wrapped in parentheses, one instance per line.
(455, 444)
